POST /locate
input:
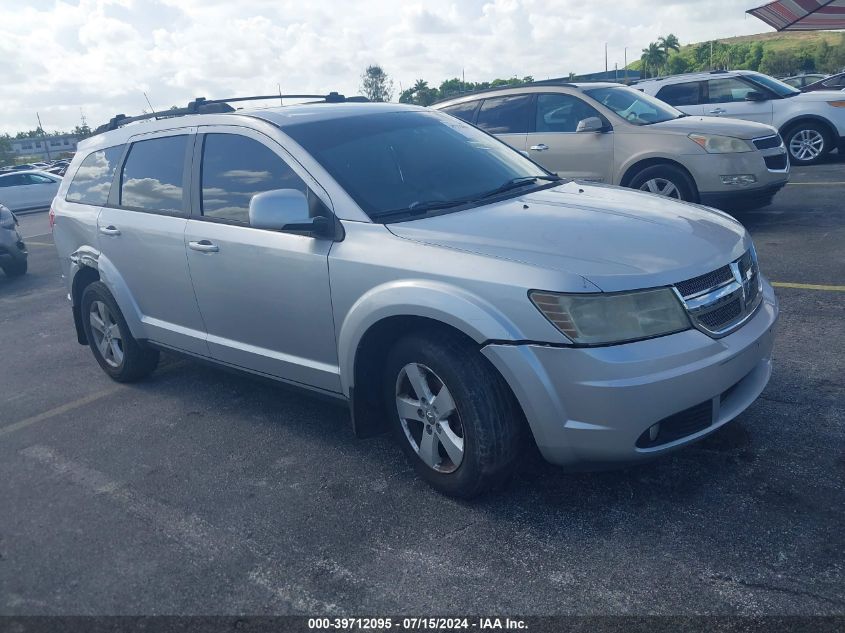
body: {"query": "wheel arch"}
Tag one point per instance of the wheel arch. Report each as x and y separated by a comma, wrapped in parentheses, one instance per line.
(385, 314)
(655, 161)
(833, 133)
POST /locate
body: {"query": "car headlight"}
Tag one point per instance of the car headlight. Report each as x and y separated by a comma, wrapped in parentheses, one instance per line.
(714, 144)
(601, 319)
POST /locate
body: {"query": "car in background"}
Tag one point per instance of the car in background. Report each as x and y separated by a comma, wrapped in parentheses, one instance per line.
(812, 124)
(24, 167)
(799, 81)
(834, 82)
(28, 190)
(13, 254)
(606, 132)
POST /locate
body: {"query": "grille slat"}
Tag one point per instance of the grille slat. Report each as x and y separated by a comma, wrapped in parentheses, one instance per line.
(704, 282)
(776, 162)
(768, 142)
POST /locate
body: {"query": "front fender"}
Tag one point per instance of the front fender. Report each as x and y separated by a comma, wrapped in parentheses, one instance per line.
(434, 300)
(120, 291)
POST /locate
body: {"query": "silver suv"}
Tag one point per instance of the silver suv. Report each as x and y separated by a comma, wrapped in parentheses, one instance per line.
(606, 132)
(418, 269)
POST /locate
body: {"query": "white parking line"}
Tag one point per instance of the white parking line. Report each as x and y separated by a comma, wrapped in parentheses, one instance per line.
(821, 184)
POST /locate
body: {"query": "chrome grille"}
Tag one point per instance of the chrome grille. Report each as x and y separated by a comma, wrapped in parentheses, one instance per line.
(722, 300)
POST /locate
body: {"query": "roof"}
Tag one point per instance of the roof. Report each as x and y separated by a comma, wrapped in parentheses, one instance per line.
(704, 74)
(283, 116)
(40, 172)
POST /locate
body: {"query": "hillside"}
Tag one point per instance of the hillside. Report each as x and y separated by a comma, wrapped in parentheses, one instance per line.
(770, 53)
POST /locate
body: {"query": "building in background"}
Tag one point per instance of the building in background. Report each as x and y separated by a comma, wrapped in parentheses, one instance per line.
(38, 148)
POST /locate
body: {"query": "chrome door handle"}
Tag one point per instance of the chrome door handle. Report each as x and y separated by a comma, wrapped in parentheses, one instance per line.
(204, 246)
(717, 111)
(542, 147)
(111, 229)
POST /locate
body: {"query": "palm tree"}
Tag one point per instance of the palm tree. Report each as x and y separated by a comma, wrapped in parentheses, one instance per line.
(653, 58)
(420, 85)
(669, 43)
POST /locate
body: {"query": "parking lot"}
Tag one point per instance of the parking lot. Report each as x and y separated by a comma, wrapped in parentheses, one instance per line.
(203, 492)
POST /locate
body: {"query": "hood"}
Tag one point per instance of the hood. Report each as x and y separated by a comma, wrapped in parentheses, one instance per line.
(715, 125)
(820, 95)
(616, 238)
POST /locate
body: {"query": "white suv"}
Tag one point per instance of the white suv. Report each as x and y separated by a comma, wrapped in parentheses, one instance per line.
(812, 123)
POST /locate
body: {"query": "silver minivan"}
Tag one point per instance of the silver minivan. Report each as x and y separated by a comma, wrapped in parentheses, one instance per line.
(416, 268)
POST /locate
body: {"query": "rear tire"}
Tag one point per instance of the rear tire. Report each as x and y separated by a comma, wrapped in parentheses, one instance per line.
(672, 180)
(807, 142)
(465, 431)
(122, 357)
(15, 269)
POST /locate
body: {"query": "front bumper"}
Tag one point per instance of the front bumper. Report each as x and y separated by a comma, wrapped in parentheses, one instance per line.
(591, 406)
(742, 197)
(12, 247)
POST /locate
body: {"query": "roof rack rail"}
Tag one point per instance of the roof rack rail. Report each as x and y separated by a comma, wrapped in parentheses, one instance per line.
(695, 72)
(201, 105)
(543, 82)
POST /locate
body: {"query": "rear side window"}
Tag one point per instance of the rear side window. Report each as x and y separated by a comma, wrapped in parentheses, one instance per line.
(12, 181)
(152, 175)
(464, 111)
(685, 94)
(505, 115)
(234, 169)
(92, 181)
(561, 113)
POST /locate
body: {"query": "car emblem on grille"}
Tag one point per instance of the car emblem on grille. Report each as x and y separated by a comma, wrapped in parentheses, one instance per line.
(743, 282)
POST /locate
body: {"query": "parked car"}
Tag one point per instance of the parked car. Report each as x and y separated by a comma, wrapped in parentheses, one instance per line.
(13, 253)
(606, 132)
(834, 82)
(24, 167)
(799, 81)
(414, 267)
(26, 190)
(811, 124)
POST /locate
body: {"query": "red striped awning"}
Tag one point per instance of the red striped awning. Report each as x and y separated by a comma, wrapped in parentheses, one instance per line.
(802, 15)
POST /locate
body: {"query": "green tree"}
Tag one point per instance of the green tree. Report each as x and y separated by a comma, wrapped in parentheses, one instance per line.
(376, 85)
(677, 64)
(653, 59)
(6, 154)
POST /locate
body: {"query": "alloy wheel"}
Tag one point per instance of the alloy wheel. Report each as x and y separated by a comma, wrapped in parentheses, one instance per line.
(806, 145)
(106, 334)
(662, 187)
(429, 418)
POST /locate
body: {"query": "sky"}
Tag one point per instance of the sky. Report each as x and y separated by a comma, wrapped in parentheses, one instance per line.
(64, 59)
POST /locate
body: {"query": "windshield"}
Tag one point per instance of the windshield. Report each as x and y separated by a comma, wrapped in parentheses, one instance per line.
(413, 160)
(634, 106)
(775, 85)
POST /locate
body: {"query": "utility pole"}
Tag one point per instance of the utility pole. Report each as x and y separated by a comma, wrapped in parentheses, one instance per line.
(711, 54)
(43, 136)
(616, 72)
(626, 64)
(605, 60)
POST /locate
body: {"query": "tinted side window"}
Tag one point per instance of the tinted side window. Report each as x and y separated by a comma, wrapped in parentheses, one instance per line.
(505, 115)
(235, 168)
(728, 90)
(12, 181)
(92, 181)
(685, 94)
(152, 175)
(38, 179)
(561, 113)
(465, 111)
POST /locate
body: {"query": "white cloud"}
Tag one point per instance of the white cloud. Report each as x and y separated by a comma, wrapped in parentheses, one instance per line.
(99, 56)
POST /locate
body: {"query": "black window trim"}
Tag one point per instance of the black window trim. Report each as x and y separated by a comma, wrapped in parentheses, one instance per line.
(195, 203)
(117, 182)
(476, 103)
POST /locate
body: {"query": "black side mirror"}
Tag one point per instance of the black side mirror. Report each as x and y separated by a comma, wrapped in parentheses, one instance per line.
(755, 96)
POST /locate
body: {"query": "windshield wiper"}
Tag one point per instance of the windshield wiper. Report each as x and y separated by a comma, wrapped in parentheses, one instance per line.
(513, 183)
(420, 207)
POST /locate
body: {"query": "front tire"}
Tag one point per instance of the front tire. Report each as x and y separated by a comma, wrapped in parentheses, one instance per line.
(15, 269)
(807, 143)
(452, 413)
(666, 180)
(122, 357)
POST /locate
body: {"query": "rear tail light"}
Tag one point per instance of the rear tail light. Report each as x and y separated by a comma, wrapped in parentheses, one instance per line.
(52, 218)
